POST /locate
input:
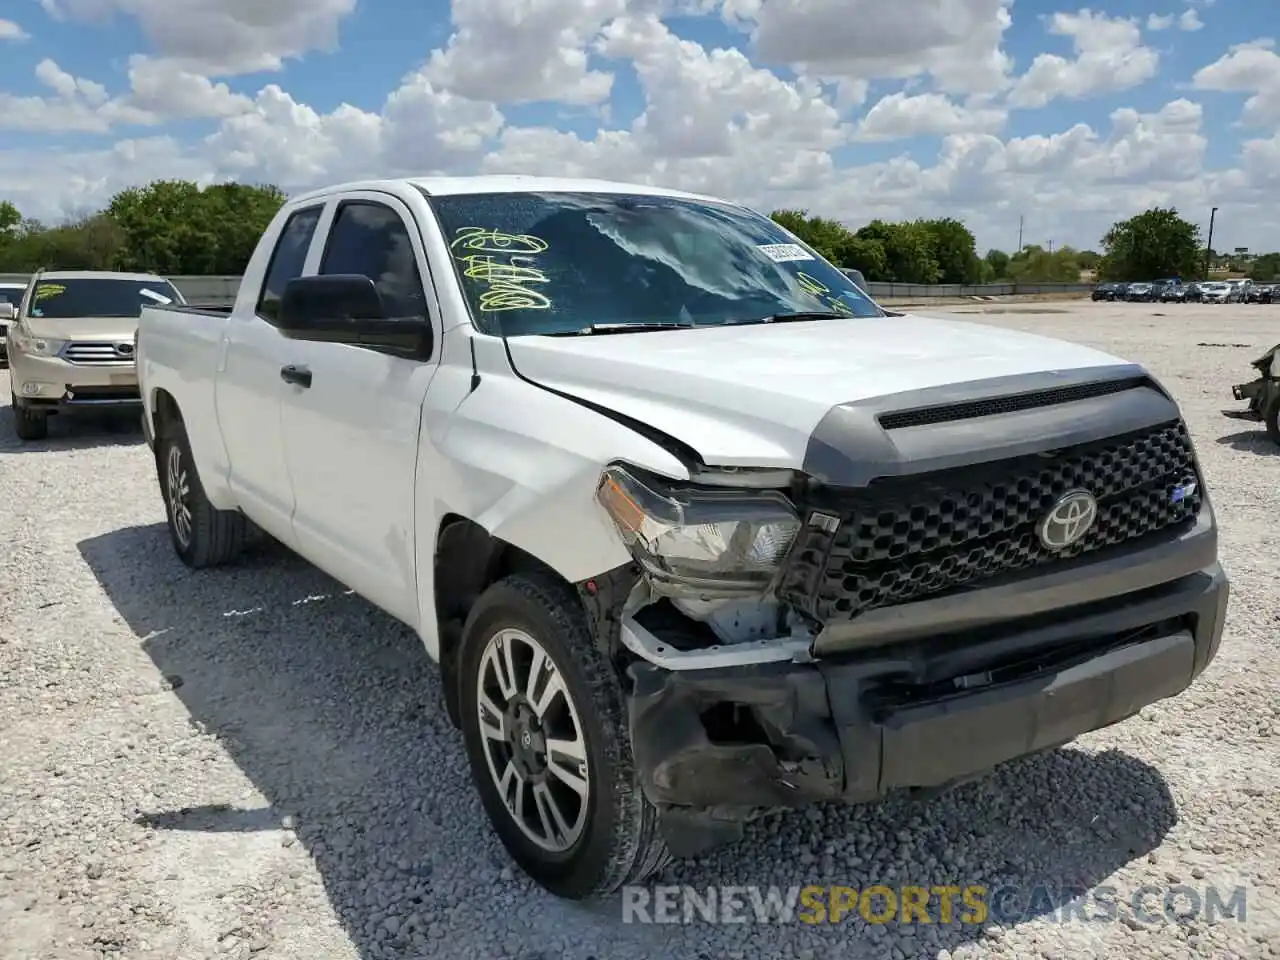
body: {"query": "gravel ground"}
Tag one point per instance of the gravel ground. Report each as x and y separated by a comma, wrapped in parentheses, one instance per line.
(253, 762)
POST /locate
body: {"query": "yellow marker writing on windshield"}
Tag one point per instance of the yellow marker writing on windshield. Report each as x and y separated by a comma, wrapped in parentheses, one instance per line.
(482, 240)
(821, 291)
(507, 283)
(47, 290)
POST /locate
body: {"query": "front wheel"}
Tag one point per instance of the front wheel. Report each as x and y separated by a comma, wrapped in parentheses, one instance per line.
(202, 535)
(547, 739)
(28, 424)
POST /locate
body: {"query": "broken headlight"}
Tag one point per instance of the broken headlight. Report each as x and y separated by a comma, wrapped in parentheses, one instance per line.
(700, 543)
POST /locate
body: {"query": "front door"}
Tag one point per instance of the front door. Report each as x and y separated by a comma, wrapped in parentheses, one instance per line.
(351, 435)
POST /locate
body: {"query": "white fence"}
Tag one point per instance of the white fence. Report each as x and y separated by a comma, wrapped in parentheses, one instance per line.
(222, 290)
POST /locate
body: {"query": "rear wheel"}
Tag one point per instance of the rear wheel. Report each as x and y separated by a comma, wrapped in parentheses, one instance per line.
(202, 535)
(547, 739)
(28, 424)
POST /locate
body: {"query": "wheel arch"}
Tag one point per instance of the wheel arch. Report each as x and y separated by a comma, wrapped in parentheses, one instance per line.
(468, 560)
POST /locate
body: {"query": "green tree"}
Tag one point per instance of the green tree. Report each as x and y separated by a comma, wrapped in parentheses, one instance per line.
(1267, 267)
(174, 227)
(869, 256)
(953, 248)
(1035, 264)
(825, 236)
(10, 220)
(997, 262)
(908, 251)
(1155, 243)
(1088, 259)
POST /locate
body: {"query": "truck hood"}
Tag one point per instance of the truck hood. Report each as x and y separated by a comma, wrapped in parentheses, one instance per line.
(752, 395)
(110, 329)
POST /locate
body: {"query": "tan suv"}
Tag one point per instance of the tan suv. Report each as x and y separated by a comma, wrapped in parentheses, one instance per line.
(71, 344)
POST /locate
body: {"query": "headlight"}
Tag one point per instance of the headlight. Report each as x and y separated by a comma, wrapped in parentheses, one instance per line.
(38, 346)
(700, 543)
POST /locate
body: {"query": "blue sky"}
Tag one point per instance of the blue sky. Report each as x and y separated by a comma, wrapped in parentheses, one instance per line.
(785, 101)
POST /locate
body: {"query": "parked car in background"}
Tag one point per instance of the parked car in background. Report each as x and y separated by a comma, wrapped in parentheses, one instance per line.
(1260, 293)
(1192, 292)
(1106, 291)
(692, 537)
(1216, 291)
(1239, 290)
(1173, 292)
(10, 297)
(1141, 292)
(71, 344)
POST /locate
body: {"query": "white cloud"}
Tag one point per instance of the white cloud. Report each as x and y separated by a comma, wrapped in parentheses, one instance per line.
(899, 116)
(159, 90)
(164, 88)
(711, 120)
(1109, 57)
(1187, 21)
(11, 31)
(1252, 68)
(221, 37)
(76, 105)
(551, 37)
(958, 42)
(1190, 21)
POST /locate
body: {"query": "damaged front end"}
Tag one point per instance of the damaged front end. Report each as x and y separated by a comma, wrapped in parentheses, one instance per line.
(1262, 394)
(779, 650)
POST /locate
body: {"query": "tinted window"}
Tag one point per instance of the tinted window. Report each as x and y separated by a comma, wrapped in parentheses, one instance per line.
(287, 260)
(98, 297)
(370, 240)
(534, 263)
(12, 295)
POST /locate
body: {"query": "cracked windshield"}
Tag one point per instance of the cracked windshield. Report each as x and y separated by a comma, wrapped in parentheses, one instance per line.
(551, 263)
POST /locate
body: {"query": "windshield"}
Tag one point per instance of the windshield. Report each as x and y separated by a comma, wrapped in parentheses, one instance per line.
(98, 297)
(545, 263)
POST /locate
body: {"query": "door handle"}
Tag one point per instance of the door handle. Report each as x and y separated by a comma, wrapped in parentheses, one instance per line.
(299, 376)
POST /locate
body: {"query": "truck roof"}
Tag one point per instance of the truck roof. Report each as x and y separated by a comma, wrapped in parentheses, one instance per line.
(98, 275)
(506, 183)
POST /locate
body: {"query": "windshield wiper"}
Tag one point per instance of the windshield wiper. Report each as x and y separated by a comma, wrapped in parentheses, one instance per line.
(789, 317)
(601, 328)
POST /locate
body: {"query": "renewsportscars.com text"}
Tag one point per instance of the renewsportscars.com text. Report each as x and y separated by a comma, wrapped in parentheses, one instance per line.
(919, 904)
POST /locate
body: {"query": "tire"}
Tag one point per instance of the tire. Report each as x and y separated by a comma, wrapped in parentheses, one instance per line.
(28, 424)
(613, 839)
(202, 535)
(1272, 421)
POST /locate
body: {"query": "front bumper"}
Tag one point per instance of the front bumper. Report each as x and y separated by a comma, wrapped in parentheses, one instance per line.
(1262, 394)
(717, 747)
(53, 384)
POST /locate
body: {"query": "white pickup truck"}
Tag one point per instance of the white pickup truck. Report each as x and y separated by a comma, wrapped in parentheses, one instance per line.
(695, 530)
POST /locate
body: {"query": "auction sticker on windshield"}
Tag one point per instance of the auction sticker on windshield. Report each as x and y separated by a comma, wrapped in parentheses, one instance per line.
(784, 252)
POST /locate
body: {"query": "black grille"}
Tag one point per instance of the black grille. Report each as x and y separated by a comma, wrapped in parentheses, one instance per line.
(908, 538)
(921, 416)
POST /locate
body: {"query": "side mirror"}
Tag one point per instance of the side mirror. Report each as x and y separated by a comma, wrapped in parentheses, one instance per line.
(8, 312)
(347, 308)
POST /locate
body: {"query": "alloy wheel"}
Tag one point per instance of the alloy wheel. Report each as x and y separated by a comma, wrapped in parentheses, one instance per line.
(179, 495)
(532, 740)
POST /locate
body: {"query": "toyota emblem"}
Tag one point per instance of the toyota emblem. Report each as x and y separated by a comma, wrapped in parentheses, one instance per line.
(1068, 520)
(124, 349)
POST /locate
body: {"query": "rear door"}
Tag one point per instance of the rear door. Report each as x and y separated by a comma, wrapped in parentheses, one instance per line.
(248, 389)
(351, 436)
